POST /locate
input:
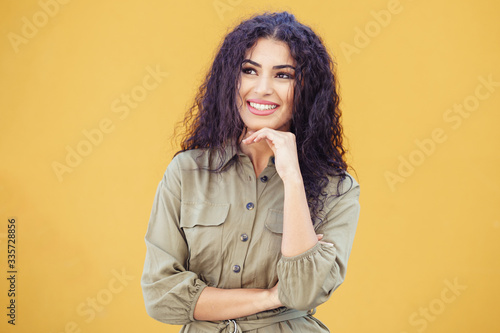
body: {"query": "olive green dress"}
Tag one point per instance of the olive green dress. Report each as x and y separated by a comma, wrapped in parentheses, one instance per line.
(224, 230)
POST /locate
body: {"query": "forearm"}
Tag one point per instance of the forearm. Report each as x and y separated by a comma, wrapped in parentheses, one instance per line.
(298, 232)
(222, 304)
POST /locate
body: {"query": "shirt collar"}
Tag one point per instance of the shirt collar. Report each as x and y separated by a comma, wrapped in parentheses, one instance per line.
(231, 150)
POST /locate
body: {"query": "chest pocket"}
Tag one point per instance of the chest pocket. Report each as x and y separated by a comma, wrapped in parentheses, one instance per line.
(203, 224)
(274, 231)
(274, 221)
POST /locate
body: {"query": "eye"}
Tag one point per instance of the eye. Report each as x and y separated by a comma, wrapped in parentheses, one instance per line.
(283, 75)
(247, 70)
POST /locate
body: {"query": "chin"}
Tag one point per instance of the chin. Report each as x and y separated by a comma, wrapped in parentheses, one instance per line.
(256, 124)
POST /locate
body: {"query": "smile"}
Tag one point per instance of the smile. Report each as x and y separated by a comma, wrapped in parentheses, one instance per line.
(263, 106)
(262, 109)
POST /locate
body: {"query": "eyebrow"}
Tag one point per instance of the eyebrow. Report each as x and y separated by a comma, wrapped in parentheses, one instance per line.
(259, 65)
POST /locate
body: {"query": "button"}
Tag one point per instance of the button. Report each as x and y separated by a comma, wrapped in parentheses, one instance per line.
(236, 268)
(263, 179)
(244, 237)
(250, 205)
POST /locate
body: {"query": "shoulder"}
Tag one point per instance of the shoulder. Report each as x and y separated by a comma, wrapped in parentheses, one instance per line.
(185, 160)
(196, 159)
(203, 159)
(340, 192)
(342, 184)
(191, 158)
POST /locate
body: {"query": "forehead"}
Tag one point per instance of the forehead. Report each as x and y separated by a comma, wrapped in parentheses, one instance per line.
(270, 52)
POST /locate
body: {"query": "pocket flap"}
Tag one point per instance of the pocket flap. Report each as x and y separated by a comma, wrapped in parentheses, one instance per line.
(203, 213)
(274, 220)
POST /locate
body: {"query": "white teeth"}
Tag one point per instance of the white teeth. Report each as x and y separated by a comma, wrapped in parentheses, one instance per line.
(263, 106)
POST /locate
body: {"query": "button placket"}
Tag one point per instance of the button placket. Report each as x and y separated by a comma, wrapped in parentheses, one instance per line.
(249, 190)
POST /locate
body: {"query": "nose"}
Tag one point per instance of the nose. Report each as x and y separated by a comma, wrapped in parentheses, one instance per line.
(264, 85)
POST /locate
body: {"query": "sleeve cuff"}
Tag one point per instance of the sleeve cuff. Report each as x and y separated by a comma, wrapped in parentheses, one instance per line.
(308, 253)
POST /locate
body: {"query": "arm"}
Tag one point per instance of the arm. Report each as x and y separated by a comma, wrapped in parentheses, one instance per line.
(298, 231)
(308, 279)
(309, 271)
(169, 290)
(221, 304)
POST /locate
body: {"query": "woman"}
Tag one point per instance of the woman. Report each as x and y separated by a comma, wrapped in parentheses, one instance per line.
(253, 222)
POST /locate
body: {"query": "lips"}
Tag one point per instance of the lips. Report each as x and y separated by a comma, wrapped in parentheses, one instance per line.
(262, 112)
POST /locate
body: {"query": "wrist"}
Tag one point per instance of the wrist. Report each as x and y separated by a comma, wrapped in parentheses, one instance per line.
(293, 179)
(274, 300)
(269, 299)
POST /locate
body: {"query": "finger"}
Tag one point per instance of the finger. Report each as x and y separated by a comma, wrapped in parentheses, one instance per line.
(259, 135)
(248, 134)
(272, 137)
(250, 137)
(326, 243)
(271, 145)
(320, 236)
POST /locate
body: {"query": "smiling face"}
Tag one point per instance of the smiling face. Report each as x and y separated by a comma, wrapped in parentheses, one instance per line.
(266, 86)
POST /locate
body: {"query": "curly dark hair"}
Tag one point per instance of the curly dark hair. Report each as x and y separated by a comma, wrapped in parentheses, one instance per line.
(212, 120)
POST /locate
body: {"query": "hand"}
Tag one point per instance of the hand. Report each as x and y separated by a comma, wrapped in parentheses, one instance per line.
(284, 147)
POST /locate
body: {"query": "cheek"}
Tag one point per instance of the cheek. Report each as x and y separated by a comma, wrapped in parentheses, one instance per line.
(242, 92)
(289, 95)
(240, 98)
(289, 102)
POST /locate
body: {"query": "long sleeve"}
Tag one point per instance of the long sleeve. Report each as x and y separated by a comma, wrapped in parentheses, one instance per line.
(308, 279)
(170, 291)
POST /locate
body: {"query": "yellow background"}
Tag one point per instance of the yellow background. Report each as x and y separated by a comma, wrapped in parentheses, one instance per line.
(437, 225)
